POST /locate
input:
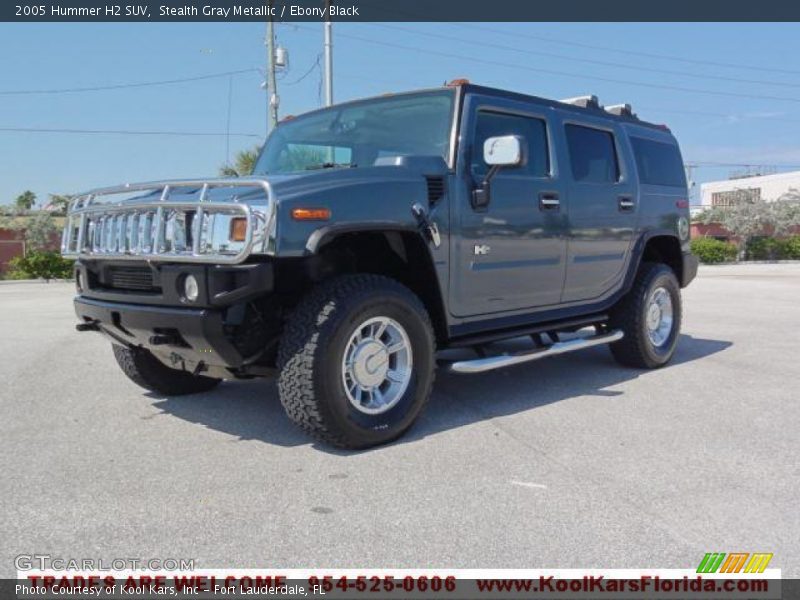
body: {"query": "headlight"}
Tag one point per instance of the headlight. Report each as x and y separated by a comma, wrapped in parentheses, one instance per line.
(191, 290)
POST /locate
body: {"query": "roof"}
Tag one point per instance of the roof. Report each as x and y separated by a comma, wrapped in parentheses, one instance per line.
(600, 112)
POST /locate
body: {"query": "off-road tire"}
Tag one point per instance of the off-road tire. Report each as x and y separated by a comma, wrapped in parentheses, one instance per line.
(311, 352)
(635, 349)
(147, 371)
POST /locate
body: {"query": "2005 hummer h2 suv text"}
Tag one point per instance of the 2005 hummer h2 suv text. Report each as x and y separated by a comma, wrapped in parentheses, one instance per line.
(375, 232)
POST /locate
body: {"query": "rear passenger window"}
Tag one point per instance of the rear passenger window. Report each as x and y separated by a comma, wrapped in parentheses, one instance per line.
(658, 163)
(592, 154)
(533, 132)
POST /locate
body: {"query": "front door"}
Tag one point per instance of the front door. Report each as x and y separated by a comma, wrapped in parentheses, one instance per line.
(509, 255)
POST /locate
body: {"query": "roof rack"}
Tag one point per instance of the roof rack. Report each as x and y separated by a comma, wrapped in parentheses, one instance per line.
(590, 101)
(621, 110)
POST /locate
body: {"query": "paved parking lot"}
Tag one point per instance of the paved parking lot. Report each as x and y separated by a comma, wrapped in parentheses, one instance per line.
(567, 462)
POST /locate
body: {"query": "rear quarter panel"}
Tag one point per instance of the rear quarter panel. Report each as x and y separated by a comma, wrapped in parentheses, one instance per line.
(660, 206)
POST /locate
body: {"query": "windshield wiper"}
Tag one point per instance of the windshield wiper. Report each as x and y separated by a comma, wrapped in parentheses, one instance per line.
(331, 165)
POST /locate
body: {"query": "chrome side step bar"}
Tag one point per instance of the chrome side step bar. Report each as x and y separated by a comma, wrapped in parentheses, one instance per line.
(479, 365)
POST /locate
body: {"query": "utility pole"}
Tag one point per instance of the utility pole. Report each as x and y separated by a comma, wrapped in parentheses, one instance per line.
(272, 89)
(328, 55)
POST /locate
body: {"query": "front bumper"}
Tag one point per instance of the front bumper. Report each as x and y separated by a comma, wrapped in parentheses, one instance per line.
(182, 338)
(689, 270)
(211, 335)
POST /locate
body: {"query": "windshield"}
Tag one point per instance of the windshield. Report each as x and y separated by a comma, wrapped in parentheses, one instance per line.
(359, 133)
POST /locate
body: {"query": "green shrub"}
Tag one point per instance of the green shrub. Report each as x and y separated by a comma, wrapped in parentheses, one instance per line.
(769, 248)
(711, 251)
(45, 265)
(791, 247)
(764, 248)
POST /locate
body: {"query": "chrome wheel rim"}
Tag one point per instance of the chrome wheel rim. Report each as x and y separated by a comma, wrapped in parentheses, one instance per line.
(376, 366)
(659, 316)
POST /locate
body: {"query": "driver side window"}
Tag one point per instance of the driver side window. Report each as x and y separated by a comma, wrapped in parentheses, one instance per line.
(532, 131)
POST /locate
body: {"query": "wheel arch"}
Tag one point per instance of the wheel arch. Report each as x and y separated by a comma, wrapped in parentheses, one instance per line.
(659, 247)
(389, 249)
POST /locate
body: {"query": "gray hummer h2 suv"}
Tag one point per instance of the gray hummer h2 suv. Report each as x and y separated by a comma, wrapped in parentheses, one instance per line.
(373, 234)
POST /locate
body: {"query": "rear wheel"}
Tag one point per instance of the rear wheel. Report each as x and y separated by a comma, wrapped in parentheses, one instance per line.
(146, 370)
(356, 361)
(650, 317)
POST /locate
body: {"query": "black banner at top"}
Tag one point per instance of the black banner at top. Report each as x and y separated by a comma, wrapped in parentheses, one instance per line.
(398, 10)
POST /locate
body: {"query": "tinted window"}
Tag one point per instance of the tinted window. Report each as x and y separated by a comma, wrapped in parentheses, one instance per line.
(534, 135)
(658, 163)
(592, 154)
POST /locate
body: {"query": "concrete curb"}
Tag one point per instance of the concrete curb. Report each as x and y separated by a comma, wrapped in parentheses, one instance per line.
(752, 262)
(10, 281)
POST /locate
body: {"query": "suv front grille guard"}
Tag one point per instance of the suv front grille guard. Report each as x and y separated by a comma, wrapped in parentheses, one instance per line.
(195, 231)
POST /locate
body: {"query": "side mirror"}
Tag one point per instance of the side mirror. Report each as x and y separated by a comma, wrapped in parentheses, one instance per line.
(498, 152)
(503, 151)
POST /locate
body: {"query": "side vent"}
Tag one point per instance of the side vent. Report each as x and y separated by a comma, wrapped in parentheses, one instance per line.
(435, 188)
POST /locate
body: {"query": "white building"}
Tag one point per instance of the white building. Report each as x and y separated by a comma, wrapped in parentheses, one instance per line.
(762, 187)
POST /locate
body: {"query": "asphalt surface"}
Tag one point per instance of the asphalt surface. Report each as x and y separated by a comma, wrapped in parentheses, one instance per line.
(567, 462)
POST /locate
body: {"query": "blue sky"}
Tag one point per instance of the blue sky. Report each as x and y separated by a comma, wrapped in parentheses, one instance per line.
(758, 121)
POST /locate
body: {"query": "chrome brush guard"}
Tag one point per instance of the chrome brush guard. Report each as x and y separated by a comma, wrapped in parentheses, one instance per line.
(198, 230)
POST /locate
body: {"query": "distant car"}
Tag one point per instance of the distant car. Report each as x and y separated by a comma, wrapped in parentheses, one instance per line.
(373, 233)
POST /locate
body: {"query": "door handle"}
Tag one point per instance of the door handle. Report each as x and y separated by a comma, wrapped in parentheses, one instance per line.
(626, 203)
(549, 201)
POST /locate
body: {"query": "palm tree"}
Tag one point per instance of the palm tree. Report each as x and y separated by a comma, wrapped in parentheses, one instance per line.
(243, 165)
(25, 200)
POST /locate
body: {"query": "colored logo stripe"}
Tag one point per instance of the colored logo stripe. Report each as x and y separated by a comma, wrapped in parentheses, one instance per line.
(713, 562)
(734, 562)
(758, 563)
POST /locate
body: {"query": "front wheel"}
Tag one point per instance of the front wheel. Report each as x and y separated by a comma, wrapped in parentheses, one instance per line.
(356, 361)
(650, 317)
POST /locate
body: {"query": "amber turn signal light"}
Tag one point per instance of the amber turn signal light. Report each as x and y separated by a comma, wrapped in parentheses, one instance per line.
(238, 231)
(311, 214)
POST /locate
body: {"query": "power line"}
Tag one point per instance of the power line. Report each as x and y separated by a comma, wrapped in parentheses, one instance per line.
(412, 16)
(121, 86)
(125, 132)
(711, 163)
(562, 73)
(307, 73)
(486, 44)
(729, 116)
(645, 108)
(694, 61)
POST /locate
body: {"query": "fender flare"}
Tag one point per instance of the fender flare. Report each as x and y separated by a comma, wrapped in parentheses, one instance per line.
(637, 252)
(325, 235)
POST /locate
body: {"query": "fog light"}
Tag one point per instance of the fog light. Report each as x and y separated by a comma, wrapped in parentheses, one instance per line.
(190, 288)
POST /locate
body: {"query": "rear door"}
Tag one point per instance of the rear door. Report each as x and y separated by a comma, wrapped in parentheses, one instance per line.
(603, 207)
(510, 255)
